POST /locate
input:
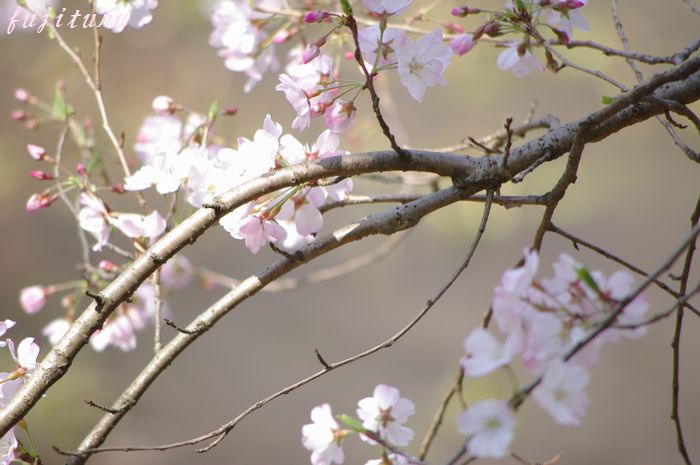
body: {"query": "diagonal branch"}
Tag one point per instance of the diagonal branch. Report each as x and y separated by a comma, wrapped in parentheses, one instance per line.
(625, 110)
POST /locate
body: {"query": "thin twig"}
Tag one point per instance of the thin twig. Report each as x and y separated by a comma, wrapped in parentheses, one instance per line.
(440, 415)
(676, 342)
(610, 256)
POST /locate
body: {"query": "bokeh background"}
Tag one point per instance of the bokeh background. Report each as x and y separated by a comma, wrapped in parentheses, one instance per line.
(634, 195)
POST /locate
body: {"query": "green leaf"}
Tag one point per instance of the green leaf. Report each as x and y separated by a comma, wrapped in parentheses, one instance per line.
(347, 9)
(93, 163)
(61, 109)
(585, 276)
(607, 100)
(214, 111)
(351, 423)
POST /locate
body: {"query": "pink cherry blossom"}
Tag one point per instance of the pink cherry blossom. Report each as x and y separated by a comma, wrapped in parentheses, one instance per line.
(389, 459)
(8, 446)
(304, 87)
(485, 353)
(370, 45)
(385, 412)
(33, 298)
(36, 152)
(55, 330)
(518, 59)
(340, 115)
(323, 437)
(163, 105)
(177, 272)
(27, 352)
(565, 16)
(561, 392)
(386, 7)
(93, 218)
(135, 13)
(489, 425)
(4, 326)
(422, 64)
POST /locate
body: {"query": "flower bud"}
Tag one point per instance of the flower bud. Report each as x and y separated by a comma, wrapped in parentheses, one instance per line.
(462, 11)
(21, 95)
(18, 115)
(36, 152)
(230, 110)
(41, 175)
(310, 52)
(107, 266)
(40, 200)
(81, 169)
(316, 16)
(462, 44)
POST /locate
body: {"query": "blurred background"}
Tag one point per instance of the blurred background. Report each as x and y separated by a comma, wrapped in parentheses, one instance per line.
(634, 195)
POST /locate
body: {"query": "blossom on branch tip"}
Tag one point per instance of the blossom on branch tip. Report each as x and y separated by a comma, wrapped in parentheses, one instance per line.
(384, 414)
(422, 64)
(462, 44)
(489, 425)
(324, 437)
(370, 45)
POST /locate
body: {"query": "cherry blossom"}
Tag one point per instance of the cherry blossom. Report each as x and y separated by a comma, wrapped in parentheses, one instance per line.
(340, 115)
(490, 425)
(135, 13)
(389, 459)
(8, 446)
(370, 45)
(4, 326)
(422, 64)
(25, 356)
(485, 353)
(518, 59)
(93, 219)
(177, 272)
(304, 87)
(386, 7)
(55, 330)
(561, 392)
(385, 412)
(565, 15)
(33, 298)
(323, 437)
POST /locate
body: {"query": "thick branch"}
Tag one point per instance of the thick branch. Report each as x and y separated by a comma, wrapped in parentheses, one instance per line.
(625, 110)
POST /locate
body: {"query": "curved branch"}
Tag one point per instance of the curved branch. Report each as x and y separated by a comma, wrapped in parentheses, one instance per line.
(625, 110)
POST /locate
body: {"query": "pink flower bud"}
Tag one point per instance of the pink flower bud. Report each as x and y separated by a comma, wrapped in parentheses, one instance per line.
(316, 16)
(21, 95)
(311, 52)
(36, 152)
(349, 55)
(340, 116)
(462, 11)
(32, 299)
(462, 44)
(81, 169)
(118, 189)
(230, 111)
(41, 175)
(107, 266)
(453, 28)
(18, 115)
(42, 200)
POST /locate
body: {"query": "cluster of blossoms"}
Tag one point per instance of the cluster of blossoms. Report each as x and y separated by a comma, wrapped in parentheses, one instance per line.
(541, 321)
(25, 356)
(129, 318)
(381, 422)
(247, 34)
(173, 161)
